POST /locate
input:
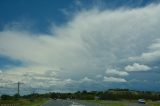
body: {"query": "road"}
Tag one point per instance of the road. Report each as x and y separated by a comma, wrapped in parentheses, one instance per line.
(60, 102)
(137, 104)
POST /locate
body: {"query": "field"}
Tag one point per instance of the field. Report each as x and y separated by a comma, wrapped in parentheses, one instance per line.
(24, 102)
(154, 103)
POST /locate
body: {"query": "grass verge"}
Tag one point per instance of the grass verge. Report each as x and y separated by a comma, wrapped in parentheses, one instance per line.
(154, 103)
(25, 102)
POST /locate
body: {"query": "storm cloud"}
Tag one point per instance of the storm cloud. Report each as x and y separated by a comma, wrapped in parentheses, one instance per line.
(90, 43)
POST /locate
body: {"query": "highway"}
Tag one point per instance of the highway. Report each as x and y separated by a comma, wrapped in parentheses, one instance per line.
(60, 102)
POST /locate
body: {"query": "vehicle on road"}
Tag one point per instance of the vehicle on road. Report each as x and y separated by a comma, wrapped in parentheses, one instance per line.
(141, 101)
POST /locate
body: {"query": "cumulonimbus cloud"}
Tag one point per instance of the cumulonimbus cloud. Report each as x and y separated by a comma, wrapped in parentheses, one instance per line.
(85, 46)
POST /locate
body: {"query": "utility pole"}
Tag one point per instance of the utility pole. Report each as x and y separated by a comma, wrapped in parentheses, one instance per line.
(18, 87)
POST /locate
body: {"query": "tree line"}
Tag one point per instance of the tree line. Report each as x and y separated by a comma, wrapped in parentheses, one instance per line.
(111, 94)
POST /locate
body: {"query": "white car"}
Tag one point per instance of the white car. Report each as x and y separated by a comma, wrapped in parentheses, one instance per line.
(141, 101)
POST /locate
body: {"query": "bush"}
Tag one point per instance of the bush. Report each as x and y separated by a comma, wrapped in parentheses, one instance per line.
(6, 97)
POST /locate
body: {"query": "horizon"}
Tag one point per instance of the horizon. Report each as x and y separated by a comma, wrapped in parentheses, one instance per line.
(77, 45)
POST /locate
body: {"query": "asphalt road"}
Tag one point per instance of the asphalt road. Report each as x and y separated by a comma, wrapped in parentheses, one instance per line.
(60, 102)
(137, 104)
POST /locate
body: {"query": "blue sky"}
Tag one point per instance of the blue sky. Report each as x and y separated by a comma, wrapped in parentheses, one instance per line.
(41, 13)
(79, 44)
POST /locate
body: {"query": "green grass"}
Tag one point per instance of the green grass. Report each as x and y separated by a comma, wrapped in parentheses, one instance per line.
(154, 103)
(25, 102)
(36, 102)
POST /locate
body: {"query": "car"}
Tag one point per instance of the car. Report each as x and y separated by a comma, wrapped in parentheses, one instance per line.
(141, 101)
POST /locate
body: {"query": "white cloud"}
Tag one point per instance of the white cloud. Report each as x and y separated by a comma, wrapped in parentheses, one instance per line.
(152, 55)
(84, 46)
(147, 57)
(114, 79)
(32, 76)
(114, 72)
(156, 45)
(137, 67)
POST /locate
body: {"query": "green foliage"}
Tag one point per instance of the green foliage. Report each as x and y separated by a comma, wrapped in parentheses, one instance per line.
(129, 95)
(23, 102)
(111, 94)
(6, 97)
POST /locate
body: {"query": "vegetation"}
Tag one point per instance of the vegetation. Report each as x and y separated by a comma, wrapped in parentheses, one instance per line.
(112, 94)
(25, 102)
(92, 96)
(151, 103)
(28, 100)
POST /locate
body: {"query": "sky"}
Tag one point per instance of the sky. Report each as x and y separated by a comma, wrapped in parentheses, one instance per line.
(68, 46)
